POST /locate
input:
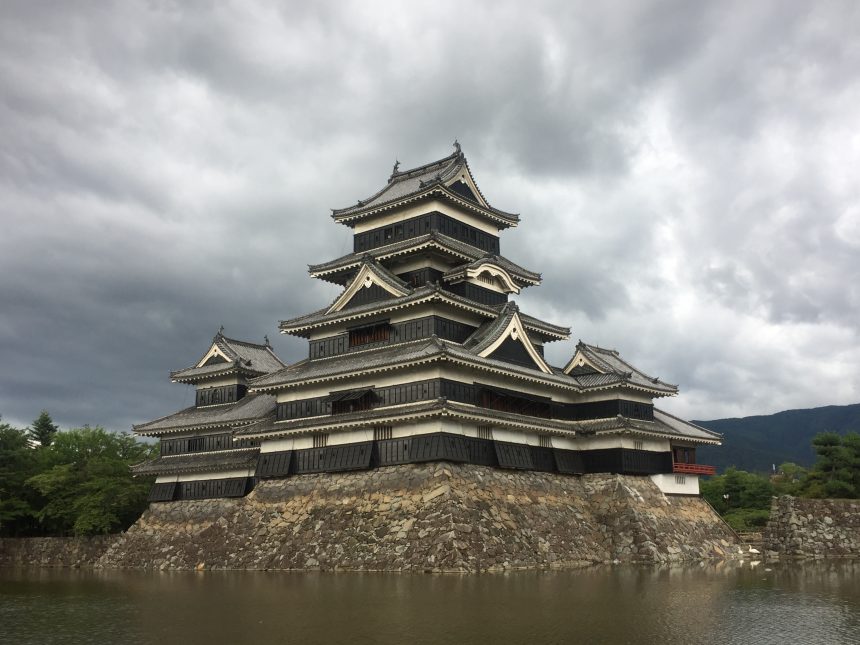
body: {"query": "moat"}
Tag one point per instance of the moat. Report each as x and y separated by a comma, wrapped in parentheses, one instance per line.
(813, 602)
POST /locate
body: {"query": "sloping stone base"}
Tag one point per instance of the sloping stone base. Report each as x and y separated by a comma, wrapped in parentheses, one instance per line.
(427, 517)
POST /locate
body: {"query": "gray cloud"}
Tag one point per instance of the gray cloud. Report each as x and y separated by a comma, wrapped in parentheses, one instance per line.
(685, 173)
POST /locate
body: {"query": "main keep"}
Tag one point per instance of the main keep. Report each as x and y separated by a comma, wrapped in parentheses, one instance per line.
(423, 357)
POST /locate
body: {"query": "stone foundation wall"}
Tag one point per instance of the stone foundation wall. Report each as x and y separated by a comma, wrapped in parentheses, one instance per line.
(427, 517)
(53, 551)
(813, 528)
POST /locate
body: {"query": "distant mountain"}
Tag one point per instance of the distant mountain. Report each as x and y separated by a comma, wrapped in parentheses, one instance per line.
(755, 443)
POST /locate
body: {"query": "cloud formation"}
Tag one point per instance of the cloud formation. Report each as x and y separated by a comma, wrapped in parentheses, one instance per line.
(686, 176)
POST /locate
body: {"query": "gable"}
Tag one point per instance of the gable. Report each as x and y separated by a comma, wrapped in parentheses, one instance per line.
(580, 365)
(463, 190)
(513, 351)
(369, 286)
(215, 359)
(514, 346)
(372, 293)
(214, 356)
(463, 184)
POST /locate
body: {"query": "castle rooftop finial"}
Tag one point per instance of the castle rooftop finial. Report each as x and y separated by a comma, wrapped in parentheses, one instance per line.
(266, 340)
(396, 167)
(457, 146)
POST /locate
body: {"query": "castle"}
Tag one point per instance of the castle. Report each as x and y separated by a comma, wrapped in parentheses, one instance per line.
(423, 357)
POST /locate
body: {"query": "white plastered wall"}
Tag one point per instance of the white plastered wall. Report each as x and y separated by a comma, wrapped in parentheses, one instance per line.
(676, 484)
(192, 477)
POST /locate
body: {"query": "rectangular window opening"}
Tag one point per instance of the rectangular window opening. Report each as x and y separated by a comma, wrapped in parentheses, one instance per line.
(380, 433)
(321, 440)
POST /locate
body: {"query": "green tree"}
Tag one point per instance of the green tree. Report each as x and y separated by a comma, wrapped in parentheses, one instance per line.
(831, 475)
(43, 429)
(789, 479)
(87, 484)
(742, 498)
(18, 462)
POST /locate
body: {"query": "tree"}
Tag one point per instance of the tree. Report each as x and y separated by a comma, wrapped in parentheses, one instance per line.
(742, 498)
(43, 429)
(18, 462)
(833, 474)
(87, 483)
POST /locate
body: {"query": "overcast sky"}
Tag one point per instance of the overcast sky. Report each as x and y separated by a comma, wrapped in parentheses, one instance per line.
(686, 174)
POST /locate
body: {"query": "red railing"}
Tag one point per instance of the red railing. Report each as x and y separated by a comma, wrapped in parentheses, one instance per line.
(693, 469)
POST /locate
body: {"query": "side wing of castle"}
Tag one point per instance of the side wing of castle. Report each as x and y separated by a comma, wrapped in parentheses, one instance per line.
(423, 356)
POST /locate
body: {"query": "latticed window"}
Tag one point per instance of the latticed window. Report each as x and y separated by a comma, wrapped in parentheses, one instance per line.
(485, 432)
(486, 278)
(638, 444)
(545, 441)
(382, 432)
(680, 479)
(378, 333)
(320, 440)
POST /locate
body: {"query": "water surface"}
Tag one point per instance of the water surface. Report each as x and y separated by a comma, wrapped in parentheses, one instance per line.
(790, 603)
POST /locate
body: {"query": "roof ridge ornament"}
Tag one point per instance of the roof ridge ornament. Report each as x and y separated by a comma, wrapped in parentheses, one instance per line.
(457, 148)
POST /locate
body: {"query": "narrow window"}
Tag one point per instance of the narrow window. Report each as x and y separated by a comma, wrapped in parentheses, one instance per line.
(637, 445)
(381, 433)
(545, 441)
(320, 440)
(485, 432)
(680, 479)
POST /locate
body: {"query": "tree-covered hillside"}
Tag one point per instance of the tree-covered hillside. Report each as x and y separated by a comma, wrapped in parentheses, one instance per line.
(756, 443)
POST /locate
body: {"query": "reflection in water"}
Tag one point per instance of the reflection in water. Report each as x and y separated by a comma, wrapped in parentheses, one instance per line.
(726, 603)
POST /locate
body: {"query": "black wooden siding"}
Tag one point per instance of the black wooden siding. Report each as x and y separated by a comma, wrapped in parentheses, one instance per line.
(420, 277)
(569, 462)
(162, 492)
(373, 293)
(421, 225)
(603, 410)
(417, 449)
(350, 456)
(477, 394)
(214, 488)
(623, 460)
(204, 443)
(401, 332)
(513, 351)
(273, 464)
(218, 395)
(517, 456)
(477, 293)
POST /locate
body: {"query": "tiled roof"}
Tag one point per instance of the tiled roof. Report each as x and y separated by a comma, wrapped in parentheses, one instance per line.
(197, 462)
(415, 182)
(489, 332)
(519, 274)
(608, 360)
(248, 358)
(683, 428)
(663, 424)
(348, 364)
(302, 325)
(247, 409)
(417, 352)
(541, 326)
(332, 269)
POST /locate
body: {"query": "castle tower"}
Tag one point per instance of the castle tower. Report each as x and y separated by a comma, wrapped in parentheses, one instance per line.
(426, 356)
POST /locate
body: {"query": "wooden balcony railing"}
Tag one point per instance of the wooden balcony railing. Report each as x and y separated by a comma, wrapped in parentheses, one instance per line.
(693, 469)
